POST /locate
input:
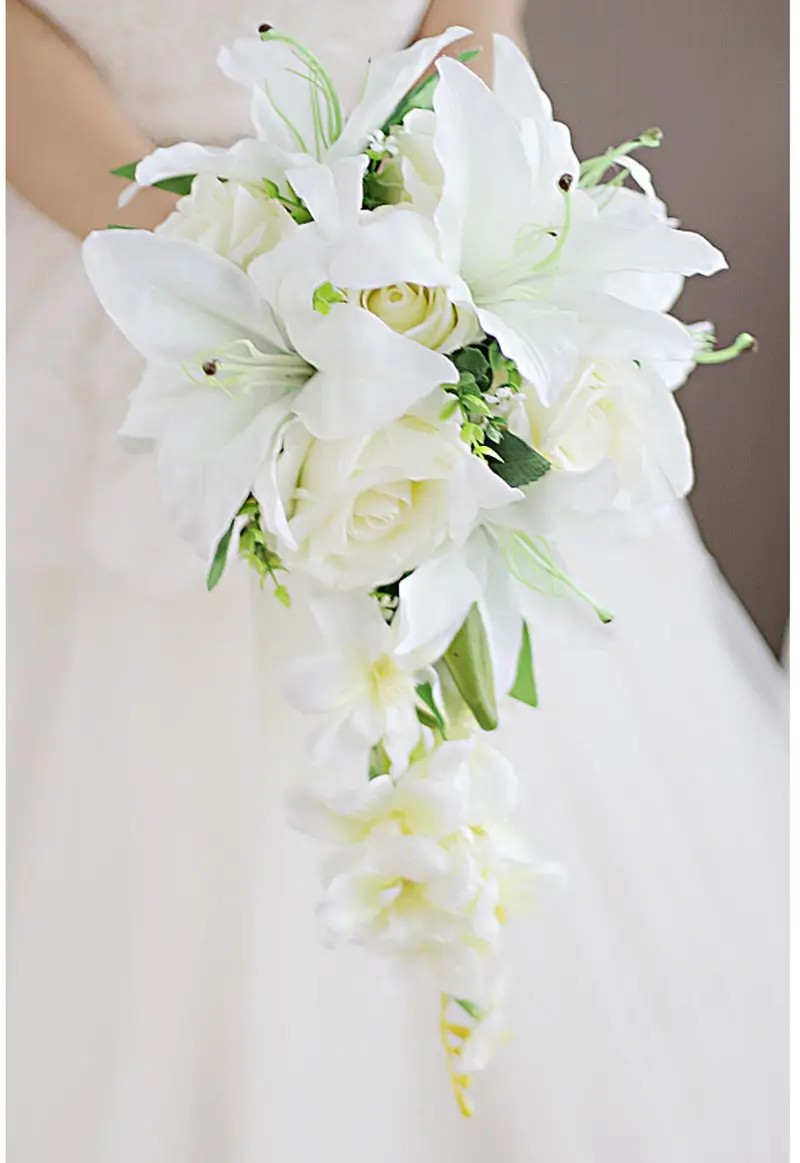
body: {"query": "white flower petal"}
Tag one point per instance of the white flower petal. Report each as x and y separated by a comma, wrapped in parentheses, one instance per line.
(434, 601)
(282, 107)
(415, 858)
(173, 299)
(600, 246)
(352, 623)
(668, 439)
(209, 455)
(542, 339)
(333, 194)
(487, 180)
(516, 84)
(389, 78)
(614, 328)
(397, 246)
(322, 683)
(246, 161)
(367, 374)
(161, 388)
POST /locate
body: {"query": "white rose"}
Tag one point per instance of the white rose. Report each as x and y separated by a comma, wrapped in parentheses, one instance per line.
(361, 512)
(227, 218)
(616, 414)
(424, 314)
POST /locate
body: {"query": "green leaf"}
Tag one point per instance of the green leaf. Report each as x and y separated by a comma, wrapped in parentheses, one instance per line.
(470, 664)
(421, 96)
(220, 559)
(472, 362)
(179, 185)
(519, 464)
(524, 688)
(425, 692)
(127, 171)
(117, 226)
(283, 596)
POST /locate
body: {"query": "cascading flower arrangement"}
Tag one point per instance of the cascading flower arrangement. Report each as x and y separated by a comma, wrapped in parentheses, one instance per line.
(398, 352)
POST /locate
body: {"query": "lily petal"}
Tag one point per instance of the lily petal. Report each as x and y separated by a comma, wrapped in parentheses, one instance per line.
(516, 84)
(389, 78)
(368, 375)
(541, 338)
(209, 455)
(396, 246)
(174, 299)
(602, 246)
(246, 161)
(434, 602)
(333, 194)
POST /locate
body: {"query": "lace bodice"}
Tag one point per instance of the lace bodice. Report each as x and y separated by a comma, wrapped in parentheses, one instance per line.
(159, 55)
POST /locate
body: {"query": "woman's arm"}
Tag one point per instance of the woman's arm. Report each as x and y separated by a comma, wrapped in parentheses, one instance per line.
(484, 17)
(66, 131)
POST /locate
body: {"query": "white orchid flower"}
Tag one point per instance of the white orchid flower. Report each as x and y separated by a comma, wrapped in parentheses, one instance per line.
(420, 873)
(532, 252)
(364, 690)
(296, 111)
(225, 374)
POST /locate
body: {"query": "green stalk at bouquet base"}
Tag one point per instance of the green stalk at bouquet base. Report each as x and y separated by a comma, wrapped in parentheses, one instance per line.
(469, 662)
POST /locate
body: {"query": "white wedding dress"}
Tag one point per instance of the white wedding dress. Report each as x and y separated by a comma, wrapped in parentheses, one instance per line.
(170, 999)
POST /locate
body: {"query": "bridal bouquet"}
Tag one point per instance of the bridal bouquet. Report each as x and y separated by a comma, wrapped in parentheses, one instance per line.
(402, 351)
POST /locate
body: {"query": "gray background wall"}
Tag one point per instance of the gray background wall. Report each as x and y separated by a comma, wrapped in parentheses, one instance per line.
(713, 74)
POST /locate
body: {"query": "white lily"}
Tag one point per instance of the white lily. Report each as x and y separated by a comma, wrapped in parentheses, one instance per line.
(532, 251)
(296, 111)
(512, 570)
(224, 373)
(221, 376)
(363, 688)
(395, 249)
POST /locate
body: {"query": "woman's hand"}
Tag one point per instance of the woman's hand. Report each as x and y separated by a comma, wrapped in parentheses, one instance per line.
(66, 131)
(484, 17)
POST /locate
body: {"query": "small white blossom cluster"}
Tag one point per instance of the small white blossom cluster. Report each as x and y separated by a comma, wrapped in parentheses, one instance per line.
(428, 868)
(403, 351)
